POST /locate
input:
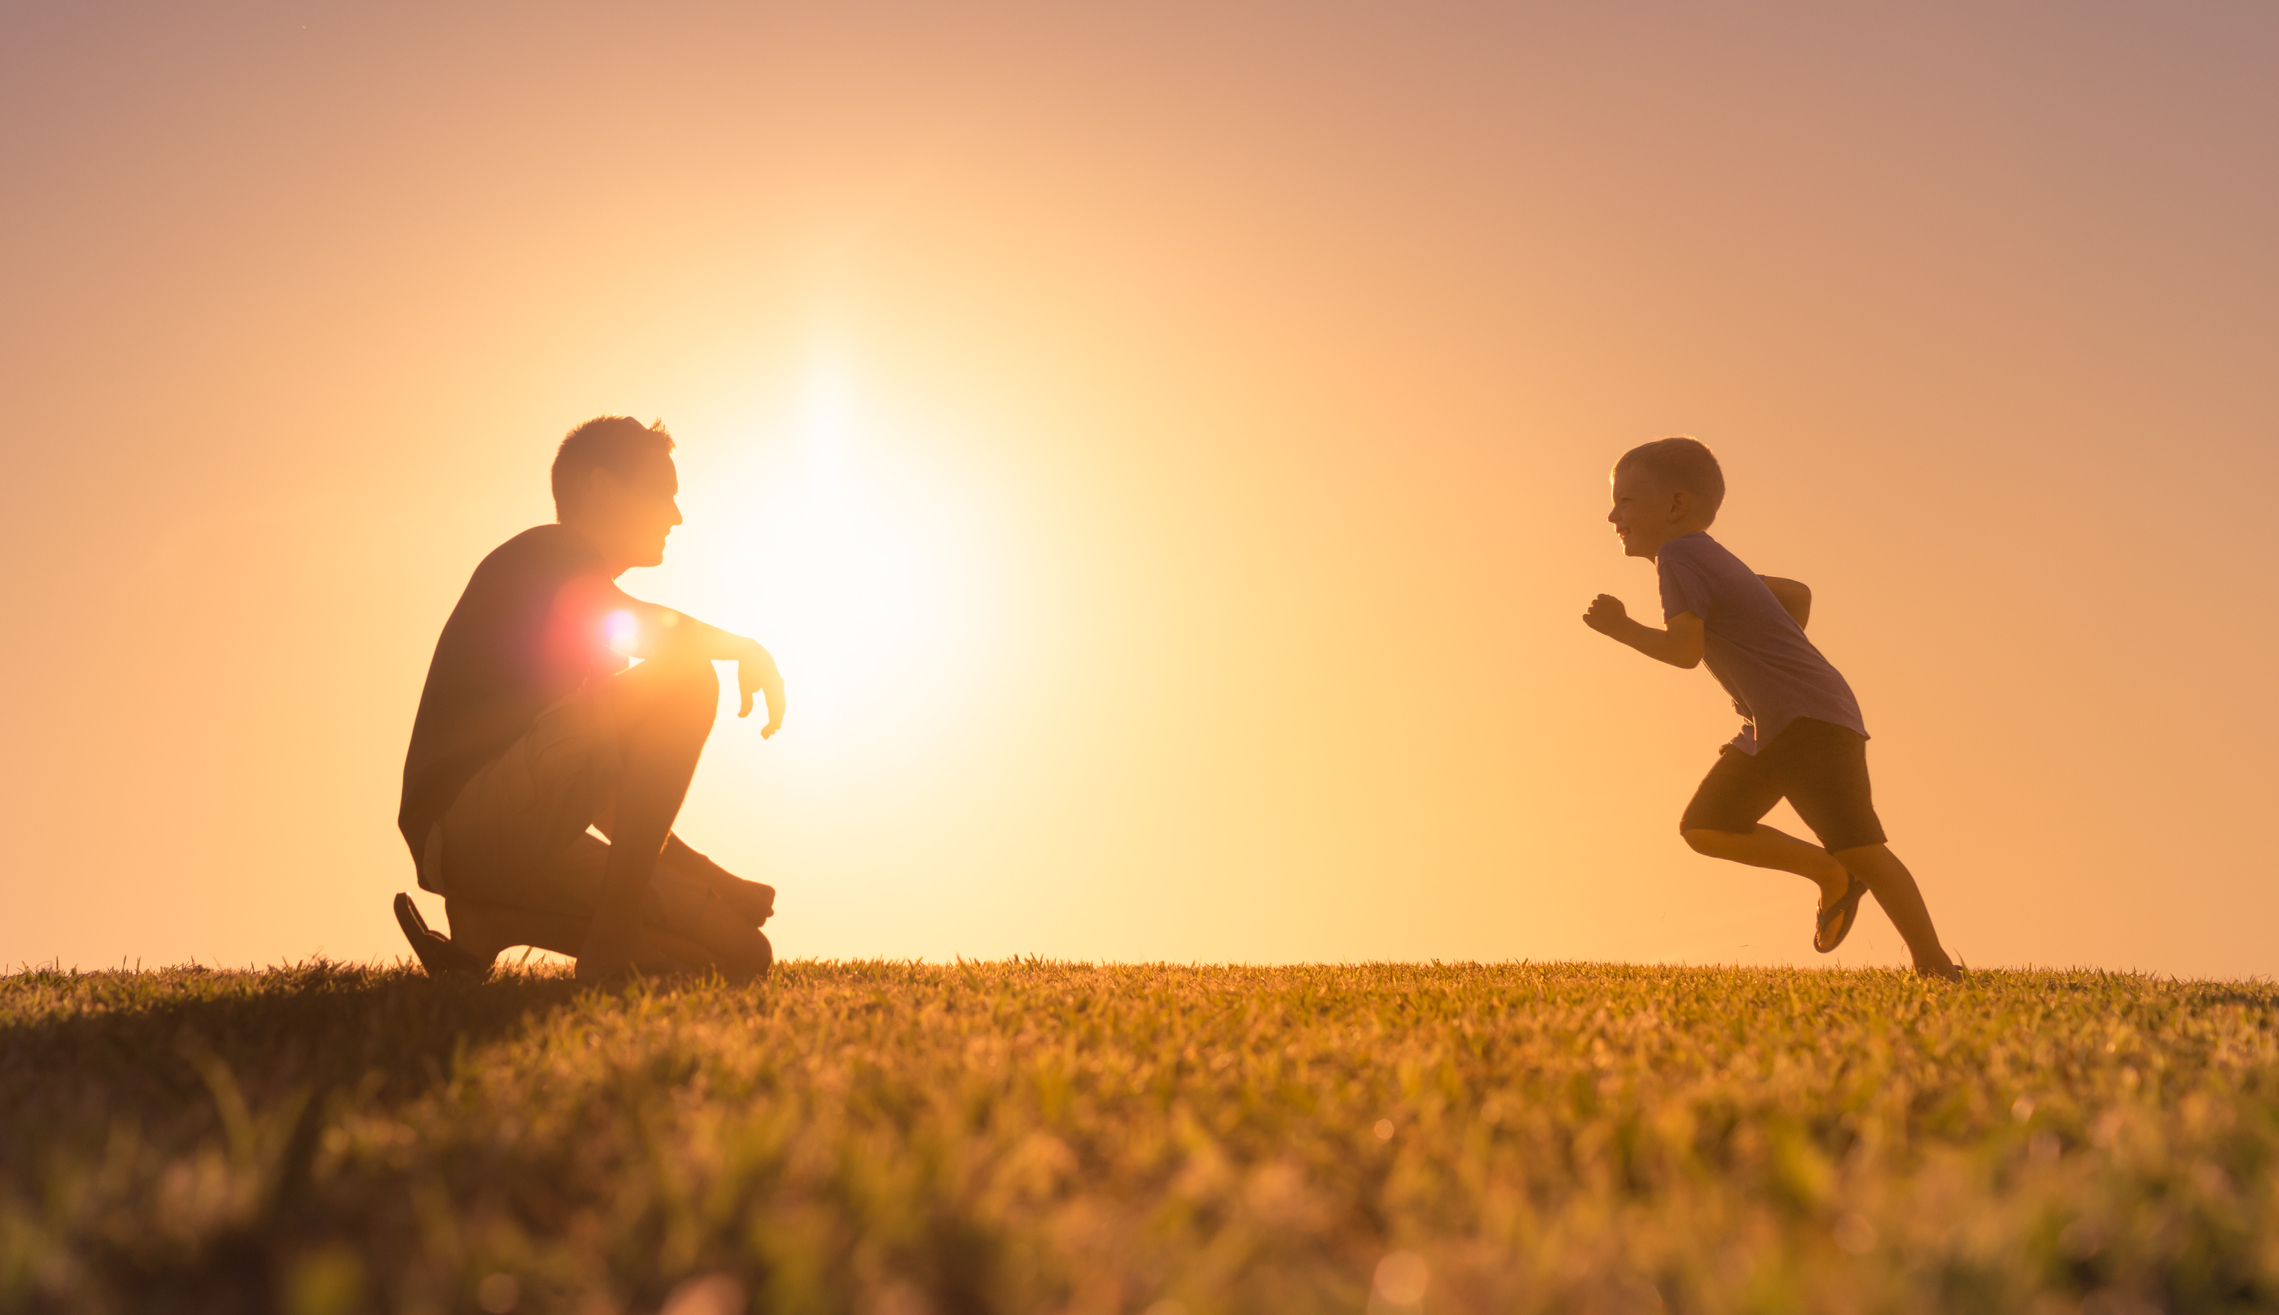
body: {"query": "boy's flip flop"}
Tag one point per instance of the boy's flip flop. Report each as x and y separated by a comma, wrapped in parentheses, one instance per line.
(1840, 916)
(436, 953)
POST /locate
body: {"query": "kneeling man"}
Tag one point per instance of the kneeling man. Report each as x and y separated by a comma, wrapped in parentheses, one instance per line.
(531, 730)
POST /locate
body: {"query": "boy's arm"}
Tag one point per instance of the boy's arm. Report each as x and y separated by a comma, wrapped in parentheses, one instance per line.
(1792, 596)
(1680, 645)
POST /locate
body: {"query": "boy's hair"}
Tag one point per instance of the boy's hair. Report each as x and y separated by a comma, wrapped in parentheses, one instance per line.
(1682, 463)
(611, 443)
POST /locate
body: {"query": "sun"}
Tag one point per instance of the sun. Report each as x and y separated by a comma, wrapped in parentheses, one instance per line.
(826, 540)
(842, 559)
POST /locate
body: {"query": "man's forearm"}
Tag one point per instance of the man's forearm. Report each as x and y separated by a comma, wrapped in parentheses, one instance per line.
(681, 634)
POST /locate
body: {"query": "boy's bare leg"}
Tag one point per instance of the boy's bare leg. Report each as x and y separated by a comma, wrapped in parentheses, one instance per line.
(1764, 847)
(1875, 865)
(1894, 888)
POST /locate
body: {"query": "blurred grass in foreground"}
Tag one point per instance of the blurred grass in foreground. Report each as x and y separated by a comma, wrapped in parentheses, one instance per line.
(900, 1139)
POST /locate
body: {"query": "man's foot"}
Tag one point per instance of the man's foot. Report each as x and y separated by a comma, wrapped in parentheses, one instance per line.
(1947, 972)
(753, 901)
(609, 950)
(436, 953)
(1837, 915)
(591, 972)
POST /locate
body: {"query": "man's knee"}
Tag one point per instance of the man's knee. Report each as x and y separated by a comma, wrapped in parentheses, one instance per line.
(1705, 841)
(681, 687)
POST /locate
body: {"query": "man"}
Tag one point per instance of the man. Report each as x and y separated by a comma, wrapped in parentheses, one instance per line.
(532, 729)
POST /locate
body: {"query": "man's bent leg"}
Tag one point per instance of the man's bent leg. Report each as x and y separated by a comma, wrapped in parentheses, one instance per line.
(662, 712)
(491, 929)
(1895, 889)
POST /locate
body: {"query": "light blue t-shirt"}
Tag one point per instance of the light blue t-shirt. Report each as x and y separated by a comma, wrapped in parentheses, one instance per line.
(1752, 645)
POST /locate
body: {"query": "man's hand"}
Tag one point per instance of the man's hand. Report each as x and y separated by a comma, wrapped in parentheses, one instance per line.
(1606, 614)
(753, 900)
(756, 674)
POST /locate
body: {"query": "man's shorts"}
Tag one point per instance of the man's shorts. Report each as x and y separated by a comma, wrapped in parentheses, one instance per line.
(1819, 767)
(516, 834)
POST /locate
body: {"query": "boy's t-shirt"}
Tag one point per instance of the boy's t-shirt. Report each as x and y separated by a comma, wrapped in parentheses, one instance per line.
(1752, 645)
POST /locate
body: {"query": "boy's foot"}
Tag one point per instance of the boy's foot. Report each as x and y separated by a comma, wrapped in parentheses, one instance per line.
(1836, 918)
(436, 953)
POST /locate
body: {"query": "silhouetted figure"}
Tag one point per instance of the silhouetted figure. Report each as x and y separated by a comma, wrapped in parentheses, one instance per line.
(1801, 736)
(531, 729)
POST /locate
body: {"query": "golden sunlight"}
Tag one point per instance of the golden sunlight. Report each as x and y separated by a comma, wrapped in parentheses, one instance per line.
(843, 593)
(839, 549)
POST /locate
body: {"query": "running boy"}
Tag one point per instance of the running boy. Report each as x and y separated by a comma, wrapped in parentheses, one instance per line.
(1801, 733)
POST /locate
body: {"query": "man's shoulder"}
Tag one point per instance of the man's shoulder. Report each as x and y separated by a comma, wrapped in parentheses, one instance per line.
(541, 549)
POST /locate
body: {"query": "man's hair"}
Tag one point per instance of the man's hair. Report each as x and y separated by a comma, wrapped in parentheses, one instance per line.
(612, 443)
(1681, 463)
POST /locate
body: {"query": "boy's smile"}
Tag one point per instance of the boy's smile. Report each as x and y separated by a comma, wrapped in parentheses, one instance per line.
(1649, 513)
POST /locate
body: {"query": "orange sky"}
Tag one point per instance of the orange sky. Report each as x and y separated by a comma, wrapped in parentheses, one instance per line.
(1173, 439)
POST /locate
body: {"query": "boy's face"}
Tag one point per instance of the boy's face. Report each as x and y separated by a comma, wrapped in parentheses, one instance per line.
(1647, 512)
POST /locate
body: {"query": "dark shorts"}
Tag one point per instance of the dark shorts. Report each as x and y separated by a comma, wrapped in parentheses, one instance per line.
(516, 834)
(1819, 767)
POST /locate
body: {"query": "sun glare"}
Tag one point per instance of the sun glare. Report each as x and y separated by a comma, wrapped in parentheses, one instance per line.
(844, 593)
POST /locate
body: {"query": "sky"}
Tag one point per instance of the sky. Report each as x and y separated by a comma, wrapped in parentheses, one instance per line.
(1166, 447)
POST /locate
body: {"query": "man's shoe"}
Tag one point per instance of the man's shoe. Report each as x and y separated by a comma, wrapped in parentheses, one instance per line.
(436, 953)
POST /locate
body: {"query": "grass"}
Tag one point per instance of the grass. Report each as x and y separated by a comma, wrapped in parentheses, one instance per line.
(897, 1139)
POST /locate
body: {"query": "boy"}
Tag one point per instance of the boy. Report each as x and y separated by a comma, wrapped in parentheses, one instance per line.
(1801, 732)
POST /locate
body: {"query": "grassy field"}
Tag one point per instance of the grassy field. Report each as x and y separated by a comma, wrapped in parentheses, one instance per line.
(897, 1139)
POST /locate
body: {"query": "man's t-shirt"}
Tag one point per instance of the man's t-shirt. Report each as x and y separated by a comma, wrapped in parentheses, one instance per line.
(529, 631)
(1752, 645)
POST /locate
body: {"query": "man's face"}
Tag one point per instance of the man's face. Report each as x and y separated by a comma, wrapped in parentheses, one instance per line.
(1647, 513)
(629, 515)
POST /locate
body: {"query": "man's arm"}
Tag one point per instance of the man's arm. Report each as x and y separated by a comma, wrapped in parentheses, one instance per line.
(1680, 645)
(1793, 597)
(645, 630)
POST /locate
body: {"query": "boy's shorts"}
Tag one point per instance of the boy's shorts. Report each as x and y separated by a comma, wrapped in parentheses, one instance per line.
(516, 834)
(1819, 767)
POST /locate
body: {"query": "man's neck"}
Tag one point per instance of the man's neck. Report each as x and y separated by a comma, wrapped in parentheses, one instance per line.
(593, 542)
